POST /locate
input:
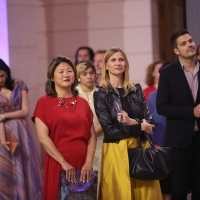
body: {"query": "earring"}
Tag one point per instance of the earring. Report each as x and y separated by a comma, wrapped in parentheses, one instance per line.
(79, 80)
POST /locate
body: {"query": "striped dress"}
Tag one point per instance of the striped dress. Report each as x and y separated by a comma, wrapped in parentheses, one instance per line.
(20, 174)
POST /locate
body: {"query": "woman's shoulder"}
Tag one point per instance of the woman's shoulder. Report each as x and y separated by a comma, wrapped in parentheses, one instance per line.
(100, 92)
(138, 92)
(100, 89)
(81, 99)
(20, 85)
(137, 86)
(45, 99)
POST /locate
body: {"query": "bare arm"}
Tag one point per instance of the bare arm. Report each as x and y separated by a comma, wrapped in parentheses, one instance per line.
(87, 167)
(98, 129)
(23, 112)
(43, 136)
(3, 137)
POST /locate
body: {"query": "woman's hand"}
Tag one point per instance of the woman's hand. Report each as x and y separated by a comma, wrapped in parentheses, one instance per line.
(146, 127)
(2, 117)
(3, 136)
(70, 171)
(5, 144)
(86, 172)
(124, 118)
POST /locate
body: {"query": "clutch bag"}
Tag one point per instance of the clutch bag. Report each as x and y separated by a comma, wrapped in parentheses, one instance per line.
(13, 142)
(78, 190)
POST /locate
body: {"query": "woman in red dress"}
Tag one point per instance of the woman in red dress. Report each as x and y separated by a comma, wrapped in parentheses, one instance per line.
(64, 126)
(152, 76)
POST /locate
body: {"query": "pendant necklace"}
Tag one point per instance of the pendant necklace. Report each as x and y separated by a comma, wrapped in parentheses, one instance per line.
(63, 103)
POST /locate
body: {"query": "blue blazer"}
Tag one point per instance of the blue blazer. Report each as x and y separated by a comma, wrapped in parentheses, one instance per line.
(175, 101)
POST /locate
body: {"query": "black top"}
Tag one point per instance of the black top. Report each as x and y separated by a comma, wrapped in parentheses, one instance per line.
(125, 104)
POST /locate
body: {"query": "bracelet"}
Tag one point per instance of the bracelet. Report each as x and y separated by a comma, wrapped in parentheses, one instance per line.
(3, 117)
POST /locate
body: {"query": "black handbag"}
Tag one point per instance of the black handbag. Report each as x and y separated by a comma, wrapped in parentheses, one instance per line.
(150, 163)
(78, 190)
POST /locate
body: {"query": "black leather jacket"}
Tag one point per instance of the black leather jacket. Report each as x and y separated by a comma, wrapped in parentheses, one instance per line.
(105, 111)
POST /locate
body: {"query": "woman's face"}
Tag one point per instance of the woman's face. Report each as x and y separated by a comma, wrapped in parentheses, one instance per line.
(116, 64)
(63, 76)
(87, 78)
(3, 77)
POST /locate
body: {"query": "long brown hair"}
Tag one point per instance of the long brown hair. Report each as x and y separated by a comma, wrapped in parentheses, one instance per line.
(150, 80)
(105, 81)
(9, 84)
(50, 86)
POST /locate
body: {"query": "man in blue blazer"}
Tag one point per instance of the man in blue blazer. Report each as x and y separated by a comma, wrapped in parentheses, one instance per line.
(178, 98)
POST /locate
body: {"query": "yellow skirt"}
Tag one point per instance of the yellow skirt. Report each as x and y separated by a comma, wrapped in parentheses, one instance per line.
(115, 182)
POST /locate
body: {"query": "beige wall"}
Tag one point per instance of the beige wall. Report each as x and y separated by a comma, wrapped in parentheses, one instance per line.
(64, 25)
(22, 49)
(42, 29)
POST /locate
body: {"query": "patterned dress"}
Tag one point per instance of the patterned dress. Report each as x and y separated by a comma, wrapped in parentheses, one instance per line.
(20, 174)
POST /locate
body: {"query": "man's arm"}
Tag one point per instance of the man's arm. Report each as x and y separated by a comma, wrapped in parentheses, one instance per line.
(164, 101)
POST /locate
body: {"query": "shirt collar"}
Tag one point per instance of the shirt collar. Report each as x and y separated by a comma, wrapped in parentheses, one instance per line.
(196, 66)
(81, 91)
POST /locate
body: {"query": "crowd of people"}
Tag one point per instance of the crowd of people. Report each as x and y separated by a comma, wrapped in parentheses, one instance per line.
(80, 128)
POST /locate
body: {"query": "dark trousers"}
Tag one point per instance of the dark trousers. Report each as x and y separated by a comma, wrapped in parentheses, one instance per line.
(185, 171)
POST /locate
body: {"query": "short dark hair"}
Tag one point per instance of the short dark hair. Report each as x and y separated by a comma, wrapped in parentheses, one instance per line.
(100, 51)
(177, 35)
(90, 51)
(9, 81)
(50, 86)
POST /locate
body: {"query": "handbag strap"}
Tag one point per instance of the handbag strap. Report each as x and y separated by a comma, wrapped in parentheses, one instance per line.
(149, 139)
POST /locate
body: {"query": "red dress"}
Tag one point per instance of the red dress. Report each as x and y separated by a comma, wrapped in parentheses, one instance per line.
(69, 129)
(148, 90)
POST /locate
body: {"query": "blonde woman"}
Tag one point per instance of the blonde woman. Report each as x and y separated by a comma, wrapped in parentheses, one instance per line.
(115, 183)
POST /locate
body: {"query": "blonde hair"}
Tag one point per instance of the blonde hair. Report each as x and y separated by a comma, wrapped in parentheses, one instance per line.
(105, 81)
(82, 66)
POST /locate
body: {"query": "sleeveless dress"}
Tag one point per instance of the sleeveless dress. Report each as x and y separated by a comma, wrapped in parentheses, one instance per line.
(20, 174)
(69, 129)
